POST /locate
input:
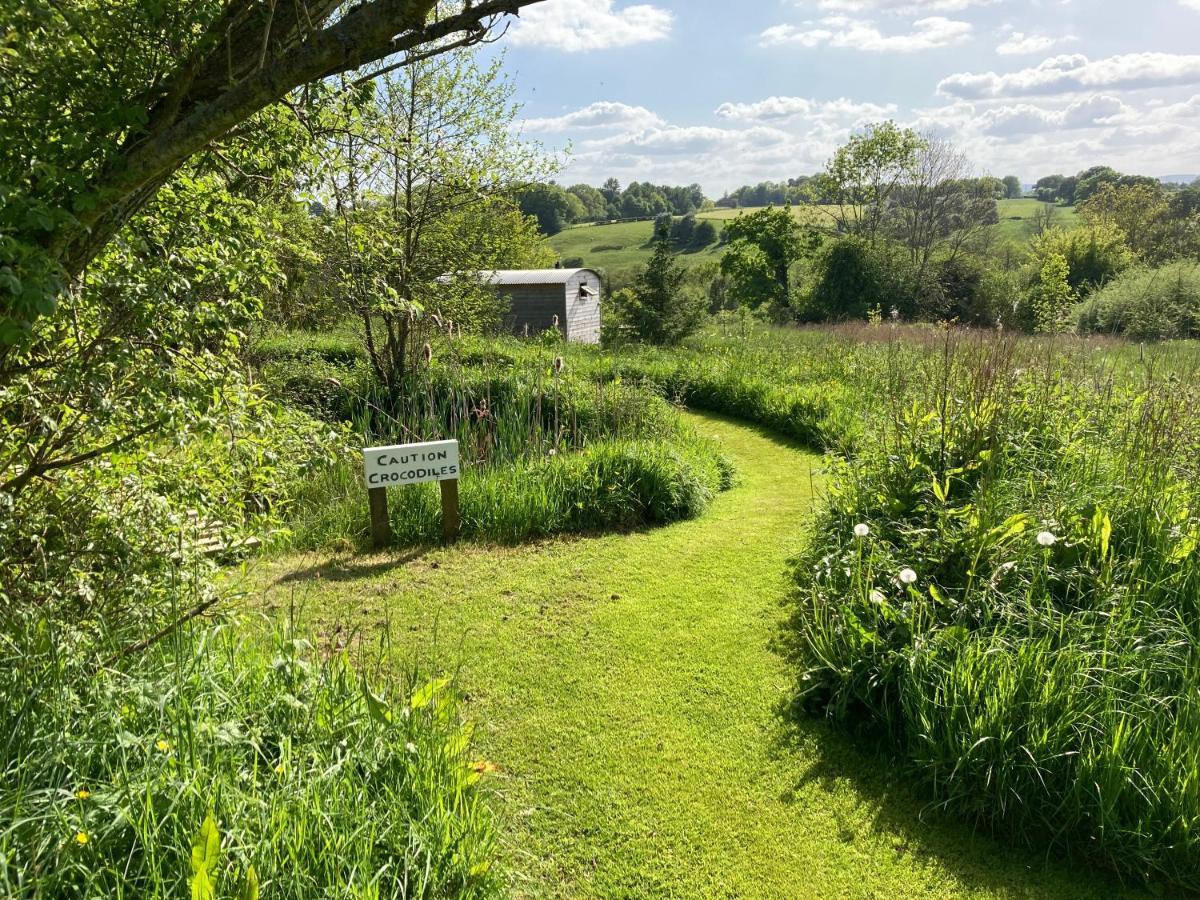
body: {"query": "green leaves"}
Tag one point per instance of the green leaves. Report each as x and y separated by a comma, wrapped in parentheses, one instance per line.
(206, 854)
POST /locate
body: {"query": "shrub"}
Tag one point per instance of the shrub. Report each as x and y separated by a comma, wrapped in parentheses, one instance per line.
(660, 309)
(852, 276)
(1146, 303)
(705, 234)
(1094, 255)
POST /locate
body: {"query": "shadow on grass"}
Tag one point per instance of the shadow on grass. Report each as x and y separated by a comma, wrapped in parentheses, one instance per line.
(901, 806)
(339, 569)
(899, 809)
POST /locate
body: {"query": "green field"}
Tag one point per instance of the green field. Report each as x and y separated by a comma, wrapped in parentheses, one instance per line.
(624, 247)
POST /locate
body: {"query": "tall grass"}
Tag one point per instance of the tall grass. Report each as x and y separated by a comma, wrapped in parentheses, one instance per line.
(1018, 611)
(315, 778)
(547, 448)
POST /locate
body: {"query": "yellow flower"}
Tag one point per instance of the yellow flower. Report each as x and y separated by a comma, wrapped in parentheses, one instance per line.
(83, 793)
(82, 838)
(163, 746)
(279, 769)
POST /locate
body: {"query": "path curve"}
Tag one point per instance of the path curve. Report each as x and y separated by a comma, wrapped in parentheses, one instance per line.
(627, 688)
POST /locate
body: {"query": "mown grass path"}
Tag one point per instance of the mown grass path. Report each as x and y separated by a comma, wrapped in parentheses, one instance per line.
(627, 688)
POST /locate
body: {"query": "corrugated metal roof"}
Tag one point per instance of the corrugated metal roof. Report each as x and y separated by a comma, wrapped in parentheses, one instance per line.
(528, 276)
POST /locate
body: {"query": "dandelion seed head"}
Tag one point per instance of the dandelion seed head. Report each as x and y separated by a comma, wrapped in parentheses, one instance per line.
(1047, 539)
(908, 576)
(862, 530)
(877, 597)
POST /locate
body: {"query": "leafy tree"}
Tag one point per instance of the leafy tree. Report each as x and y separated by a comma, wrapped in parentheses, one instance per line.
(705, 234)
(1052, 296)
(595, 206)
(1138, 209)
(1012, 187)
(1090, 181)
(550, 205)
(865, 173)
(780, 241)
(663, 224)
(102, 103)
(1049, 188)
(420, 178)
(683, 231)
(852, 276)
(1094, 254)
(658, 309)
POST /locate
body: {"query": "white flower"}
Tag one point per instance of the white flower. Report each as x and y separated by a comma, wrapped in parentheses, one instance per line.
(877, 597)
(1047, 539)
(553, 452)
(861, 530)
(908, 576)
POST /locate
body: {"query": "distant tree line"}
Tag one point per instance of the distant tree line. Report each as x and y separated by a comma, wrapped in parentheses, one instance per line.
(555, 207)
(1072, 189)
(814, 189)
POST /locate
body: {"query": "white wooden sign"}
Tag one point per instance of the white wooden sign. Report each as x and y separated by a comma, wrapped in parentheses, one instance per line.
(411, 463)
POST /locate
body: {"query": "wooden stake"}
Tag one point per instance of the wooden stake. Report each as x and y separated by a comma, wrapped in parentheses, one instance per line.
(450, 522)
(381, 528)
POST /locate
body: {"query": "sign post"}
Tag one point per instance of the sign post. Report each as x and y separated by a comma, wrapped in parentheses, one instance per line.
(411, 464)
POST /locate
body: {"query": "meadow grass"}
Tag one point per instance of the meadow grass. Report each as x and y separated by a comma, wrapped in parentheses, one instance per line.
(292, 774)
(546, 449)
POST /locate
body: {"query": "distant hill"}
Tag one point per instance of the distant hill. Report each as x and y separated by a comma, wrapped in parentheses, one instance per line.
(1177, 179)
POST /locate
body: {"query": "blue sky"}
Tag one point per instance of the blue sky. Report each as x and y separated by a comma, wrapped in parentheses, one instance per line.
(724, 93)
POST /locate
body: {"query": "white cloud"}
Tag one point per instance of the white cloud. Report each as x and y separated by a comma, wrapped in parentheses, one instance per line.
(602, 114)
(1018, 43)
(906, 7)
(785, 109)
(1076, 73)
(581, 25)
(1191, 4)
(1023, 118)
(843, 32)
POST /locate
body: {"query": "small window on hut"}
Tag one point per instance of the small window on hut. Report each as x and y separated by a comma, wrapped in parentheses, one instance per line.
(586, 292)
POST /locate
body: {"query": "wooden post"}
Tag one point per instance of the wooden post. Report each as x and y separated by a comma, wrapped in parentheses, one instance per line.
(450, 522)
(381, 528)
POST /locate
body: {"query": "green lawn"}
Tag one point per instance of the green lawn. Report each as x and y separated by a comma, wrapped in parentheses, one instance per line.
(627, 688)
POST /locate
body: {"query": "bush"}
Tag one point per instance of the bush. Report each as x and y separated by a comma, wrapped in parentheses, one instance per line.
(1153, 304)
(851, 277)
(321, 780)
(705, 234)
(660, 309)
(1094, 255)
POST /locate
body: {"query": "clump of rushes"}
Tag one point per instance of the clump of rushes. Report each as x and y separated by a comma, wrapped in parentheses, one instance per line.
(307, 776)
(1021, 619)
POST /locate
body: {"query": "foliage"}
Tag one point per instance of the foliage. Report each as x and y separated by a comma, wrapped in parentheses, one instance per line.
(866, 172)
(1146, 303)
(1023, 641)
(1094, 255)
(763, 247)
(1052, 296)
(850, 277)
(420, 177)
(551, 206)
(229, 763)
(103, 104)
(660, 309)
